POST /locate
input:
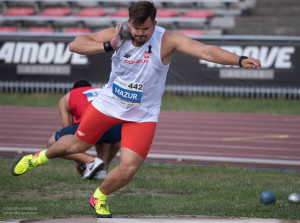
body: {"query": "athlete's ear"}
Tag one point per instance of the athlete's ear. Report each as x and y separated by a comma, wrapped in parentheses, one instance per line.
(129, 22)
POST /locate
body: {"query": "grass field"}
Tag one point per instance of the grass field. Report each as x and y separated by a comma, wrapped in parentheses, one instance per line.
(177, 103)
(56, 189)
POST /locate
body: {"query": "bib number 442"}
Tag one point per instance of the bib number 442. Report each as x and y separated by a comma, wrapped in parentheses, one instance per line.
(136, 86)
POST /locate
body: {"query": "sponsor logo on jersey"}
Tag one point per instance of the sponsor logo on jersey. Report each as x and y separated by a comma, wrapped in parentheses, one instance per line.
(144, 60)
(127, 55)
(80, 133)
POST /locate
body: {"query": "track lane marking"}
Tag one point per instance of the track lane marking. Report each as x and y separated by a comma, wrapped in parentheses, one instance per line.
(256, 137)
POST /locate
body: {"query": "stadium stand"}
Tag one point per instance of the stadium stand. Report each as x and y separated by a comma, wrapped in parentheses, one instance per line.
(18, 12)
(95, 15)
(192, 32)
(40, 30)
(166, 13)
(198, 14)
(77, 30)
(213, 17)
(276, 17)
(8, 29)
(55, 12)
(90, 12)
(120, 13)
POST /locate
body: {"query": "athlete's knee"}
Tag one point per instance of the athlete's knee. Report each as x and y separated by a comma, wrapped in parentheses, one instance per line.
(51, 141)
(127, 171)
(77, 146)
(130, 162)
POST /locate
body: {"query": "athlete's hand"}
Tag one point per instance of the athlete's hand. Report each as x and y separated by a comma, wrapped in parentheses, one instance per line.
(116, 41)
(251, 63)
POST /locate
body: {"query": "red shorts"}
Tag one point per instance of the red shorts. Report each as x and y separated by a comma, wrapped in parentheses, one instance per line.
(135, 136)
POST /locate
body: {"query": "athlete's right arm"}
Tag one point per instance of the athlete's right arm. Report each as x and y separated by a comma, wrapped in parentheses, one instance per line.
(93, 43)
(64, 111)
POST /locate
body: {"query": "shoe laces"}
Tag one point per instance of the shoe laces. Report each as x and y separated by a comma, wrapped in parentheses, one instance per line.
(88, 165)
(104, 206)
(34, 162)
(101, 205)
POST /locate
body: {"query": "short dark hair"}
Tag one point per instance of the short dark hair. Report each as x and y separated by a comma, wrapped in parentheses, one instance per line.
(81, 83)
(140, 11)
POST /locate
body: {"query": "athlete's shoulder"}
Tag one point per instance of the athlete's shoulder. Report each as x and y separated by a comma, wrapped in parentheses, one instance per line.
(171, 39)
(159, 30)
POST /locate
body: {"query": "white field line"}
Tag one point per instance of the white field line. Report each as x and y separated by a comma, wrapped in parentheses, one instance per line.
(182, 157)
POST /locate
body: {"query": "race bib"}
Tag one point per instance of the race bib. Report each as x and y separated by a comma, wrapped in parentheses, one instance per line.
(128, 93)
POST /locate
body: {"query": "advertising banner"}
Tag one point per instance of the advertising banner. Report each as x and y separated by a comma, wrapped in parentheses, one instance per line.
(278, 57)
(47, 58)
(39, 58)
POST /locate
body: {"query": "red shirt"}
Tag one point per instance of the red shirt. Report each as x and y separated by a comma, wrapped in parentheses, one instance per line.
(79, 100)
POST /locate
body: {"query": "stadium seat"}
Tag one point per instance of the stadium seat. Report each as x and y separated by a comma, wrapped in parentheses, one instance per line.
(198, 14)
(120, 13)
(19, 12)
(90, 12)
(40, 30)
(166, 13)
(160, 13)
(77, 30)
(56, 12)
(7, 29)
(192, 32)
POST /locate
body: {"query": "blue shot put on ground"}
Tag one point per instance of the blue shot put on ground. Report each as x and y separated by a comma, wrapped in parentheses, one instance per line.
(267, 197)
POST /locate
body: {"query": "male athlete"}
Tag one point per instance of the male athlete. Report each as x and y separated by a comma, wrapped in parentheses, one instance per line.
(132, 96)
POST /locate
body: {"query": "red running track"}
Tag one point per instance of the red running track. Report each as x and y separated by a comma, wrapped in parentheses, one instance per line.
(258, 140)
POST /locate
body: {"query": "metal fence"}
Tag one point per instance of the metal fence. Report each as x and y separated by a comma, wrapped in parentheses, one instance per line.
(210, 91)
(234, 91)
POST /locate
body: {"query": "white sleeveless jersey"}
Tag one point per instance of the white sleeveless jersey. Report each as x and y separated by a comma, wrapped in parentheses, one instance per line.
(136, 83)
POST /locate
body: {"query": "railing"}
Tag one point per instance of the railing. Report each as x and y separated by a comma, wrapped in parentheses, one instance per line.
(106, 19)
(118, 1)
(210, 91)
(235, 91)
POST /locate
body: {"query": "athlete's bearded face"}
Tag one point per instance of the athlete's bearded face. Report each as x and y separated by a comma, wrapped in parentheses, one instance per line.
(141, 33)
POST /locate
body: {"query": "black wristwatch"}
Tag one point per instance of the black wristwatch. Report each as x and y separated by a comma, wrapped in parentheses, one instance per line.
(107, 46)
(240, 60)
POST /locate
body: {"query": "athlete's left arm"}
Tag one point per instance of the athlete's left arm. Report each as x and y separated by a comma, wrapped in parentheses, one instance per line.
(64, 111)
(190, 47)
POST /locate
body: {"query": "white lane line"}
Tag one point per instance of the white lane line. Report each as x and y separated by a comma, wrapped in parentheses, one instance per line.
(238, 147)
(183, 157)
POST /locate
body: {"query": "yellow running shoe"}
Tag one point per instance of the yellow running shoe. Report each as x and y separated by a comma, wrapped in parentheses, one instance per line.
(100, 207)
(25, 163)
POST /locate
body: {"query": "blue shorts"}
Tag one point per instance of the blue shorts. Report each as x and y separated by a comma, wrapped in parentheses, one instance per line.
(113, 135)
